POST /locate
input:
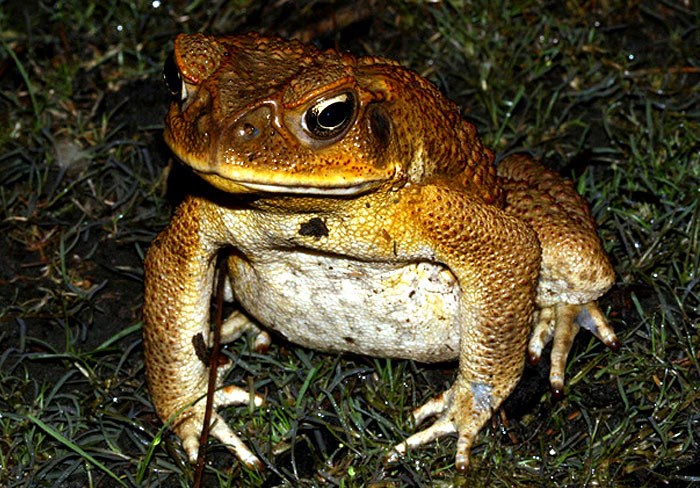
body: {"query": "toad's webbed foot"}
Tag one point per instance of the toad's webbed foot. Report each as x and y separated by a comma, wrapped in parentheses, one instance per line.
(189, 425)
(463, 409)
(560, 324)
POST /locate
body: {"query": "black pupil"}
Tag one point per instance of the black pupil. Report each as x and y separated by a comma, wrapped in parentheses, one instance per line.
(334, 115)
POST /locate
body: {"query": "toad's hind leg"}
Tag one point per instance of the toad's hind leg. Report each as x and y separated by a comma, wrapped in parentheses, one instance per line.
(575, 270)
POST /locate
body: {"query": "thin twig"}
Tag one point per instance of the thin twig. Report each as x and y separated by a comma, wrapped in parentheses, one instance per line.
(213, 366)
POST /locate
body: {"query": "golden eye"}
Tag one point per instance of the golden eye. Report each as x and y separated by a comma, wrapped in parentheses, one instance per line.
(328, 117)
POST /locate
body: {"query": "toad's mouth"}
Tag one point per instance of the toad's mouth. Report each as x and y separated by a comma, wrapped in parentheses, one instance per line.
(297, 186)
(301, 189)
(234, 175)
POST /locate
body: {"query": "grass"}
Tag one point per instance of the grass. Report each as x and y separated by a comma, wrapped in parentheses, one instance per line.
(606, 92)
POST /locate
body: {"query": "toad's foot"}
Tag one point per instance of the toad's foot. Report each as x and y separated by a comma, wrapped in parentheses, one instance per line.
(238, 324)
(188, 426)
(560, 324)
(461, 410)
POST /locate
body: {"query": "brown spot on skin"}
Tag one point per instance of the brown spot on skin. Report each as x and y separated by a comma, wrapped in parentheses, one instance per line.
(204, 353)
(201, 349)
(315, 228)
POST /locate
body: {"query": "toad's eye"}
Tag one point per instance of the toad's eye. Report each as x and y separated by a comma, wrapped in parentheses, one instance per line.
(329, 117)
(172, 77)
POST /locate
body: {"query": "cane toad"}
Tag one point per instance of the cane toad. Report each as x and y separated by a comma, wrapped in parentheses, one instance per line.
(361, 213)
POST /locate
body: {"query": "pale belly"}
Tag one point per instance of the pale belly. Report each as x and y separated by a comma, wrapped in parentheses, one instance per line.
(335, 304)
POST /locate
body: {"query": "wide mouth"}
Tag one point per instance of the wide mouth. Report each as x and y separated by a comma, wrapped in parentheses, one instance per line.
(312, 190)
(296, 187)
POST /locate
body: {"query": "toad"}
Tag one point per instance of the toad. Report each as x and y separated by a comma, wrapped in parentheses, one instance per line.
(360, 213)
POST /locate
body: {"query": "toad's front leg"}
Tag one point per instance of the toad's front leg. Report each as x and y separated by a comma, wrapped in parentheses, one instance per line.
(178, 280)
(495, 258)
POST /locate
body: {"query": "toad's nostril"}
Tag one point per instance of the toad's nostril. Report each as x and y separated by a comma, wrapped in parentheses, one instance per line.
(252, 124)
(246, 131)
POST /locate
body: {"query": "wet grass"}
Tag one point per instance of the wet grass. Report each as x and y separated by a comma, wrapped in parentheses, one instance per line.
(606, 92)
